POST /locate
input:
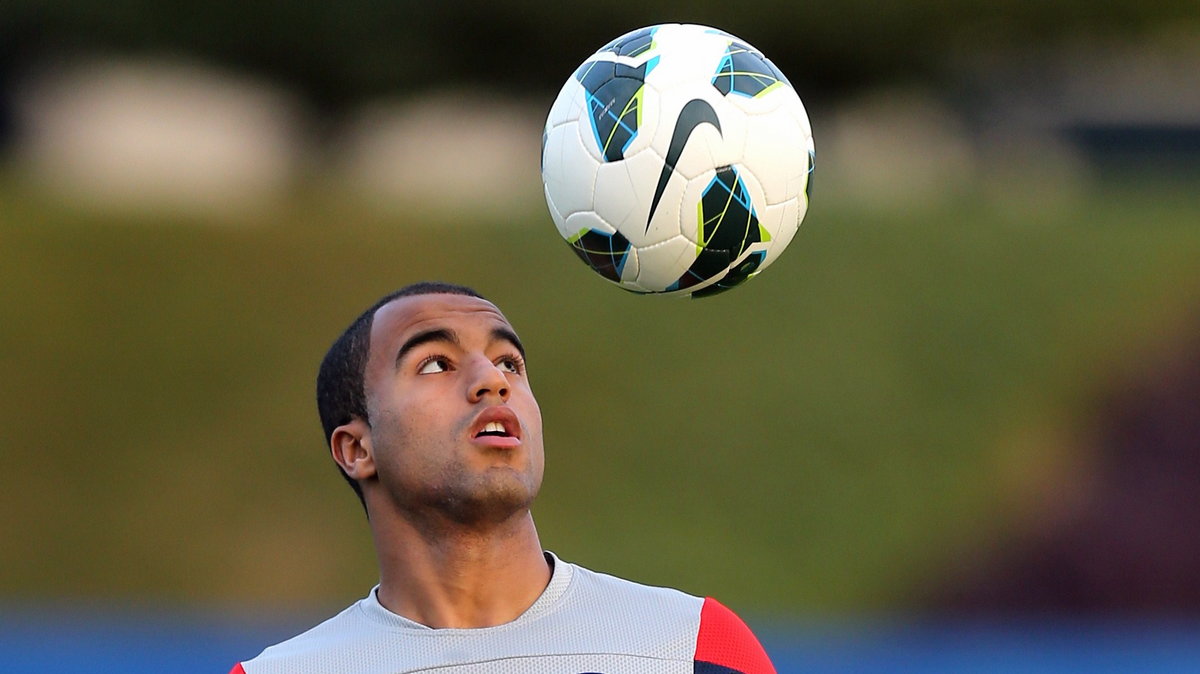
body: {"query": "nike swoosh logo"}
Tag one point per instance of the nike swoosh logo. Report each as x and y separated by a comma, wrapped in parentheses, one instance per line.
(694, 113)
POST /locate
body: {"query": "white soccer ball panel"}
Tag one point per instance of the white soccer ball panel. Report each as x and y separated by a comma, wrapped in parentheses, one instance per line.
(584, 221)
(734, 124)
(800, 187)
(688, 220)
(570, 171)
(663, 263)
(695, 55)
(568, 106)
(644, 170)
(799, 113)
(617, 197)
(630, 273)
(587, 137)
(559, 219)
(773, 221)
(777, 152)
(785, 218)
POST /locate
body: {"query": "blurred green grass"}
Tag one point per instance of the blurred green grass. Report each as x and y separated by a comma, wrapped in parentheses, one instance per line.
(891, 395)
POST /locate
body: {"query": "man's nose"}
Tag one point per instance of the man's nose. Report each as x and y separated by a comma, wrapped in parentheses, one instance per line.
(488, 379)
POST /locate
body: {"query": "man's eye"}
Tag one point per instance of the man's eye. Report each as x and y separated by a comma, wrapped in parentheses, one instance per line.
(510, 365)
(434, 365)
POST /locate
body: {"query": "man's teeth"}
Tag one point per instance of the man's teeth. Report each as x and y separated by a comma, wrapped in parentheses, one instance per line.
(494, 427)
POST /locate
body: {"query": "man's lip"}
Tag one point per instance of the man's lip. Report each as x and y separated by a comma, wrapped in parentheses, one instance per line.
(502, 415)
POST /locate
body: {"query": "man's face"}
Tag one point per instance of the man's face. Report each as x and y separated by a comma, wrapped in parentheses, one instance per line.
(454, 426)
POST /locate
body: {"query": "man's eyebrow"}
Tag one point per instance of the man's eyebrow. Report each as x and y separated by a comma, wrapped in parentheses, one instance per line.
(434, 335)
(506, 335)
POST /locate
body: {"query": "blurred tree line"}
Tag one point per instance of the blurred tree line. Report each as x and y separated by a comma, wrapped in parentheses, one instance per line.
(337, 54)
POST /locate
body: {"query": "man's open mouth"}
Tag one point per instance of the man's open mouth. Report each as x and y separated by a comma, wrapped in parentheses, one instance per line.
(493, 429)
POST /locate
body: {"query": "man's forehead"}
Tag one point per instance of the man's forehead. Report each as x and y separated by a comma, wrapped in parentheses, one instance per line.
(414, 313)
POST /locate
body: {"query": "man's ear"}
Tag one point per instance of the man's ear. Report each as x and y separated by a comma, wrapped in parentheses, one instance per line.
(350, 445)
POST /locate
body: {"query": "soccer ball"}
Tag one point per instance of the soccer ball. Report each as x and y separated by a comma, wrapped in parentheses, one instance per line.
(677, 160)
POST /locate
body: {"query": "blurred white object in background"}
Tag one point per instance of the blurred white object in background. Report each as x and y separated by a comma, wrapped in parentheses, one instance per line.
(460, 153)
(893, 149)
(158, 134)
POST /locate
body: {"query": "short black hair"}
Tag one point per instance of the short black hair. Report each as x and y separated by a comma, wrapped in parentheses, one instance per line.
(341, 394)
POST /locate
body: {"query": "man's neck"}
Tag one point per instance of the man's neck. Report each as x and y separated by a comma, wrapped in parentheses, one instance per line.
(461, 578)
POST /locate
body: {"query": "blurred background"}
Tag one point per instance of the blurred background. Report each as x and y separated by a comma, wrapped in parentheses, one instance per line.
(956, 427)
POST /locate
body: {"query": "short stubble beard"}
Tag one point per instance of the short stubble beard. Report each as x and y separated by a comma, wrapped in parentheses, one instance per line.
(479, 501)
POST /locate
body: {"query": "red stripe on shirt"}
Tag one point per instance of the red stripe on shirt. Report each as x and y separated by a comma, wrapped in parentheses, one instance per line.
(726, 641)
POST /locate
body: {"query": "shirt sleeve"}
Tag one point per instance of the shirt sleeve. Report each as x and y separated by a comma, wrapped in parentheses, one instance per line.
(725, 645)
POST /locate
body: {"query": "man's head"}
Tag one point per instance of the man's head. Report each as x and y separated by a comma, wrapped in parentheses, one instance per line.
(401, 391)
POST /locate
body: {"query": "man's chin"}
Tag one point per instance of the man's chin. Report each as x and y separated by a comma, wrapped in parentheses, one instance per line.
(495, 501)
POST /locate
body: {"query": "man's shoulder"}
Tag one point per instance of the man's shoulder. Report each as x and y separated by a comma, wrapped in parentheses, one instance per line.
(611, 589)
(613, 608)
(724, 643)
(721, 641)
(321, 641)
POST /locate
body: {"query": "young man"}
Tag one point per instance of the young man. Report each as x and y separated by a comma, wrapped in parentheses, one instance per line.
(427, 409)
